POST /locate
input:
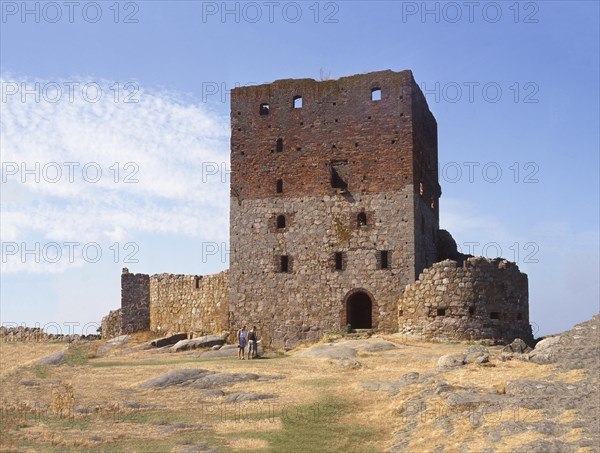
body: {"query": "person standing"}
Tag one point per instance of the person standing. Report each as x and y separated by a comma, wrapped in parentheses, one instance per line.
(252, 349)
(241, 337)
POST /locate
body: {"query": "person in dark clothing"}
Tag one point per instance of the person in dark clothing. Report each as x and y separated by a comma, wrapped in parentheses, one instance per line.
(252, 346)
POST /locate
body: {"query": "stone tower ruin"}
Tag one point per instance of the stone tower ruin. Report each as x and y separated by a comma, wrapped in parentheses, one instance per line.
(334, 222)
(334, 202)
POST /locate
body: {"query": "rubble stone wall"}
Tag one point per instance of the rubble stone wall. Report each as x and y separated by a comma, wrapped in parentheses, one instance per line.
(483, 299)
(111, 324)
(189, 303)
(135, 302)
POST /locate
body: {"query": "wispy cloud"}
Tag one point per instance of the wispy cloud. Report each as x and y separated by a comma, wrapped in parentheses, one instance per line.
(74, 170)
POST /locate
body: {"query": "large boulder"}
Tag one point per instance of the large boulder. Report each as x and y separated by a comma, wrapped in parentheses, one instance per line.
(328, 351)
(58, 358)
(545, 350)
(242, 396)
(205, 341)
(477, 354)
(201, 379)
(175, 377)
(518, 346)
(451, 361)
(169, 339)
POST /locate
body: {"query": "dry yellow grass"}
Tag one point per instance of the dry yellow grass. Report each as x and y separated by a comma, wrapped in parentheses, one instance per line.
(14, 355)
(316, 396)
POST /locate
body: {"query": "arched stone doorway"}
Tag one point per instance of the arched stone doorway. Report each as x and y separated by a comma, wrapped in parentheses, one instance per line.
(359, 310)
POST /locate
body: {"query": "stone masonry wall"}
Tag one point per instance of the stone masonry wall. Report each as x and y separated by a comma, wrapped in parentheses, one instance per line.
(189, 303)
(111, 324)
(483, 299)
(135, 302)
(289, 160)
(310, 299)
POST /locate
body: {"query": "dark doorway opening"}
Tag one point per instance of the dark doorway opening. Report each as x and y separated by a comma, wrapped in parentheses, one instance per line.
(359, 311)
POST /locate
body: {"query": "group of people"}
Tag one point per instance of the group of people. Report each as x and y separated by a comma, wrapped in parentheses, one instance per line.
(251, 337)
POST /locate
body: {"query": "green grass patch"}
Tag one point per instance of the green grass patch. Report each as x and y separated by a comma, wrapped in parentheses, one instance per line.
(78, 355)
(40, 371)
(166, 444)
(317, 427)
(158, 417)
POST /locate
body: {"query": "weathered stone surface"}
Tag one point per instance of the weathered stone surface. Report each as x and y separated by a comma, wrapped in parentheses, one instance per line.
(35, 334)
(215, 393)
(460, 399)
(372, 147)
(174, 303)
(206, 341)
(391, 387)
(378, 346)
(111, 324)
(202, 379)
(517, 346)
(348, 363)
(485, 298)
(228, 350)
(58, 358)
(547, 446)
(222, 379)
(138, 405)
(328, 351)
(183, 427)
(189, 303)
(476, 354)
(241, 396)
(170, 339)
(114, 343)
(335, 205)
(545, 350)
(451, 361)
(187, 447)
(175, 377)
(135, 302)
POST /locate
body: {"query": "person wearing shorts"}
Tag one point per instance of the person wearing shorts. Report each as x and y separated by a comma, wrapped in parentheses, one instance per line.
(241, 337)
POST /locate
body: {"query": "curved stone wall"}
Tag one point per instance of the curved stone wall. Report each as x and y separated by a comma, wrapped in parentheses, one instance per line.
(483, 299)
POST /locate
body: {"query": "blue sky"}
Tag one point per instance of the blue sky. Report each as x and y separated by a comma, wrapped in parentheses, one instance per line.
(138, 90)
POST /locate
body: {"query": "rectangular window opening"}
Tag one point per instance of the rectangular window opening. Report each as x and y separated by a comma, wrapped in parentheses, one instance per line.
(494, 315)
(384, 256)
(339, 174)
(284, 263)
(441, 312)
(264, 109)
(339, 261)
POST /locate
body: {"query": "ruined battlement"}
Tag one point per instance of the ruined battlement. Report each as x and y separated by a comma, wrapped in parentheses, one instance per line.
(171, 303)
(300, 131)
(484, 298)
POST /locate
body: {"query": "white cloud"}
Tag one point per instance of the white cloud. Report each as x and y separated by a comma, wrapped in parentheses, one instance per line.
(160, 144)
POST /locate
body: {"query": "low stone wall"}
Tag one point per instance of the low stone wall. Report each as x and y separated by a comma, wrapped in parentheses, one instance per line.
(189, 303)
(27, 334)
(483, 299)
(111, 324)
